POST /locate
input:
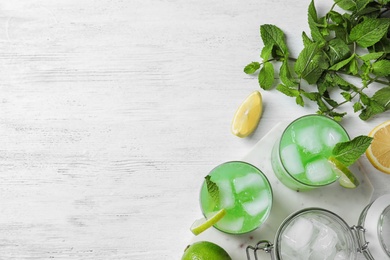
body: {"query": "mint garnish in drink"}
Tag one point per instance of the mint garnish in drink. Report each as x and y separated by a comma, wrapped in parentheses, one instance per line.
(212, 189)
(345, 154)
(348, 152)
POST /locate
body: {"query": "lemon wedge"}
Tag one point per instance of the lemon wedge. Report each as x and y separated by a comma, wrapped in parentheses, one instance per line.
(202, 224)
(248, 115)
(378, 153)
(347, 178)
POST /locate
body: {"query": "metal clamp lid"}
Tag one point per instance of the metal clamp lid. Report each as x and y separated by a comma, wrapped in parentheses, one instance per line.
(264, 245)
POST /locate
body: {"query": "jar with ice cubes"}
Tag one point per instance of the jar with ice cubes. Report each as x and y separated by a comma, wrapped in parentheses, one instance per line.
(300, 156)
(319, 234)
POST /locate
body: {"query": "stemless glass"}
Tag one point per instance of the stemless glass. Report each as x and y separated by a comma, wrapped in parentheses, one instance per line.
(244, 192)
(300, 156)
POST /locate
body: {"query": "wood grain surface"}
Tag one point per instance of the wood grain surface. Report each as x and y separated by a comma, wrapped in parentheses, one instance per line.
(112, 112)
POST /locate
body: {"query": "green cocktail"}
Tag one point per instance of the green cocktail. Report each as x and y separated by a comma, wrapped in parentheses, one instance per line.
(245, 194)
(300, 156)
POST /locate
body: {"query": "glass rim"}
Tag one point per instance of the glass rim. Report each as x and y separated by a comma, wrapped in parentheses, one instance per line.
(270, 191)
(279, 150)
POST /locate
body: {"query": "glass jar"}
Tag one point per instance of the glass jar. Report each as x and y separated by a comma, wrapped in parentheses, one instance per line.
(316, 233)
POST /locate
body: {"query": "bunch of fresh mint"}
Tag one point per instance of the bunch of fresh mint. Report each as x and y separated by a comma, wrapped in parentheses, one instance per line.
(354, 41)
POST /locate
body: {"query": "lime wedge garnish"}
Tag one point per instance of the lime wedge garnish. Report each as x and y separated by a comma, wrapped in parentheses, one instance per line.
(347, 179)
(202, 224)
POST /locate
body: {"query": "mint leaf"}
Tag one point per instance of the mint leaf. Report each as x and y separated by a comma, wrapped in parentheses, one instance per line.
(338, 51)
(310, 63)
(285, 75)
(381, 68)
(313, 22)
(266, 76)
(266, 52)
(273, 36)
(252, 67)
(371, 56)
(382, 97)
(373, 108)
(346, 4)
(370, 31)
(212, 189)
(291, 92)
(342, 63)
(348, 152)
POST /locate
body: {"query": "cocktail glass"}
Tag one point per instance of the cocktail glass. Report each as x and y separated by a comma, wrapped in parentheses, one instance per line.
(244, 192)
(300, 156)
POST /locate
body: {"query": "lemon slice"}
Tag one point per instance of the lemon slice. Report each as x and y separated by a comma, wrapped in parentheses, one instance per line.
(378, 153)
(248, 115)
(202, 224)
(347, 179)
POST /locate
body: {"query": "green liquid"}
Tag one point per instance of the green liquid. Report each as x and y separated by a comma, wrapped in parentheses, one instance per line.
(299, 159)
(244, 192)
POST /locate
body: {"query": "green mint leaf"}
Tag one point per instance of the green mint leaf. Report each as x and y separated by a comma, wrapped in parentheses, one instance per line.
(352, 5)
(212, 189)
(382, 97)
(306, 40)
(357, 107)
(266, 76)
(313, 22)
(353, 67)
(266, 52)
(382, 45)
(381, 68)
(370, 31)
(273, 36)
(338, 51)
(372, 109)
(299, 101)
(313, 96)
(291, 92)
(348, 152)
(336, 17)
(348, 5)
(252, 67)
(347, 96)
(342, 63)
(310, 63)
(371, 56)
(285, 75)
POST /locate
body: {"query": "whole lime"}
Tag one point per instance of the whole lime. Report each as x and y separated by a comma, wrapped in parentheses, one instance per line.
(205, 250)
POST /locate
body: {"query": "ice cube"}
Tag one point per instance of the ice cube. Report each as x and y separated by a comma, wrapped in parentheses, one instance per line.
(249, 180)
(324, 243)
(226, 195)
(341, 255)
(232, 225)
(291, 159)
(257, 205)
(319, 170)
(308, 138)
(298, 233)
(330, 137)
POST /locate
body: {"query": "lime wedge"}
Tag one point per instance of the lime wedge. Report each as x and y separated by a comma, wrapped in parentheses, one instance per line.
(347, 179)
(202, 224)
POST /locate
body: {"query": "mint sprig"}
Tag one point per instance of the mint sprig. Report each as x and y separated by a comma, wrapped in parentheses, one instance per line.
(212, 189)
(348, 152)
(354, 41)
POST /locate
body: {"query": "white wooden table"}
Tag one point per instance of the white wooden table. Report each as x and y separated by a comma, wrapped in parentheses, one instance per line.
(112, 112)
